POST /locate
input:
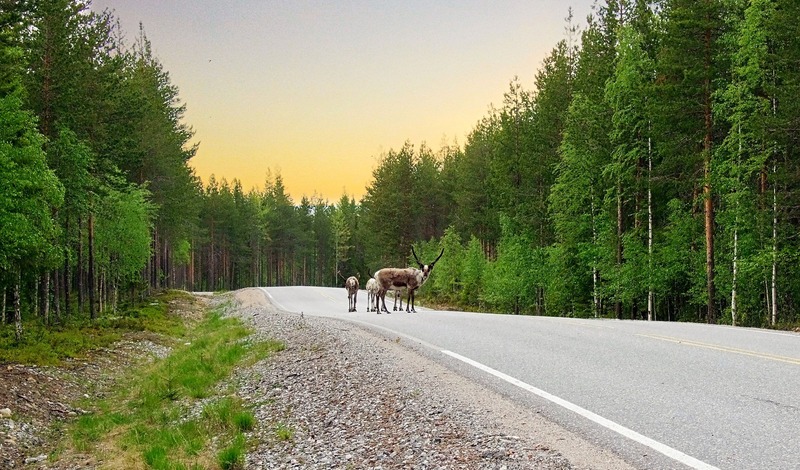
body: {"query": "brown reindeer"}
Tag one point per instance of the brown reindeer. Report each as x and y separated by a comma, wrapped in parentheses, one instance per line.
(397, 279)
(351, 284)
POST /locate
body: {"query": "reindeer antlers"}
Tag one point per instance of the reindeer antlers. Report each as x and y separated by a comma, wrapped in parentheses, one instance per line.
(415, 256)
(420, 262)
(437, 258)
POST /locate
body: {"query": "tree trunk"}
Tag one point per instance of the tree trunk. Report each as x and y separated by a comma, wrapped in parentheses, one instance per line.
(618, 303)
(56, 294)
(190, 270)
(734, 306)
(735, 275)
(650, 294)
(156, 281)
(80, 272)
(709, 226)
(707, 192)
(165, 262)
(46, 298)
(17, 308)
(774, 287)
(65, 275)
(92, 283)
(595, 273)
(212, 281)
(101, 291)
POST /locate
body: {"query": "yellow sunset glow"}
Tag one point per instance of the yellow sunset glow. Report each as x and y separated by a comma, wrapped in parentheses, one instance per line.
(318, 91)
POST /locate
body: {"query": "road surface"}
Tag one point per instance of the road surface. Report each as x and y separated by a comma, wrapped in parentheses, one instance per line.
(673, 395)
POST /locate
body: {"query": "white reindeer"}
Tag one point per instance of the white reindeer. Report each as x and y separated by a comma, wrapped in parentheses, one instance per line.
(351, 284)
(372, 294)
(397, 279)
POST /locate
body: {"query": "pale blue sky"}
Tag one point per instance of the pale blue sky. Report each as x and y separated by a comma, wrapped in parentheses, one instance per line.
(319, 90)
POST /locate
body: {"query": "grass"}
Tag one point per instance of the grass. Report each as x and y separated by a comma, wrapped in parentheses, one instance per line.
(232, 457)
(76, 336)
(173, 414)
(284, 432)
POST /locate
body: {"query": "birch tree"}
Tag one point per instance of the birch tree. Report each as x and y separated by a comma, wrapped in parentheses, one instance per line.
(29, 193)
(576, 199)
(628, 93)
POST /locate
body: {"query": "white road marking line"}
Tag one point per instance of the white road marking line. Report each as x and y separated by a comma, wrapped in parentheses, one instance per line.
(607, 423)
(272, 299)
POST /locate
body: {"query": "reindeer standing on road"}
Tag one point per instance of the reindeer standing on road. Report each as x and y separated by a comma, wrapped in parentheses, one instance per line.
(351, 284)
(372, 294)
(397, 279)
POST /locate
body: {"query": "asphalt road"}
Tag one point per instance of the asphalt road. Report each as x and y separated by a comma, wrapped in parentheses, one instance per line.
(661, 395)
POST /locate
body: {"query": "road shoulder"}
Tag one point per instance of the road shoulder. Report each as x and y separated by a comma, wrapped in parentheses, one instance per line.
(350, 395)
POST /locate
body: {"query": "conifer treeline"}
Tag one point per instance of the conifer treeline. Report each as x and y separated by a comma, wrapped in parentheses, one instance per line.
(648, 171)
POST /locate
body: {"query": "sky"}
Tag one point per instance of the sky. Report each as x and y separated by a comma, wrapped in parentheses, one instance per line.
(317, 91)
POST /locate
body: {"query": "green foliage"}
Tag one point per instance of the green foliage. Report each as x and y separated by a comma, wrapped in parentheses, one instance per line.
(447, 280)
(472, 273)
(122, 230)
(29, 191)
(76, 337)
(145, 416)
(475, 199)
(654, 109)
(506, 283)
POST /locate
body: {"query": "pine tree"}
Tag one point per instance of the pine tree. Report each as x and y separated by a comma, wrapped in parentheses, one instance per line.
(689, 67)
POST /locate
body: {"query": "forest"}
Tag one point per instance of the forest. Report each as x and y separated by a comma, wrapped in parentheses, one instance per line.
(646, 171)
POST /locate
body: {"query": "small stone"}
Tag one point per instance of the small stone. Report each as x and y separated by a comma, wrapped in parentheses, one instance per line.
(5, 412)
(38, 458)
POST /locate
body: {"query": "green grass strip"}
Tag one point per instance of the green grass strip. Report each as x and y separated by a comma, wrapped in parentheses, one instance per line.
(154, 418)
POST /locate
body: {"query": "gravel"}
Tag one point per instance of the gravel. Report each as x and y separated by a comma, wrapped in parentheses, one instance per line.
(340, 396)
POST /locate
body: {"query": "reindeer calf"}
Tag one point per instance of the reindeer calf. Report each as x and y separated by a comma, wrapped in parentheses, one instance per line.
(372, 294)
(351, 284)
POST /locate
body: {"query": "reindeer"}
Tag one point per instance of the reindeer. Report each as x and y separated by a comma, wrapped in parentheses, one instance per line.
(398, 295)
(351, 284)
(372, 294)
(397, 279)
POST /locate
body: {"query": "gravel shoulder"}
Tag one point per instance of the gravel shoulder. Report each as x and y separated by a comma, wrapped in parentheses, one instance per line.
(342, 396)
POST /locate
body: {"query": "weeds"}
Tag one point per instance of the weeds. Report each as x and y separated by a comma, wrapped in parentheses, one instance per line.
(284, 432)
(232, 457)
(149, 419)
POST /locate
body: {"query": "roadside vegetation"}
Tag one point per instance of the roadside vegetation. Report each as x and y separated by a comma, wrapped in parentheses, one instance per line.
(76, 336)
(170, 413)
(173, 414)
